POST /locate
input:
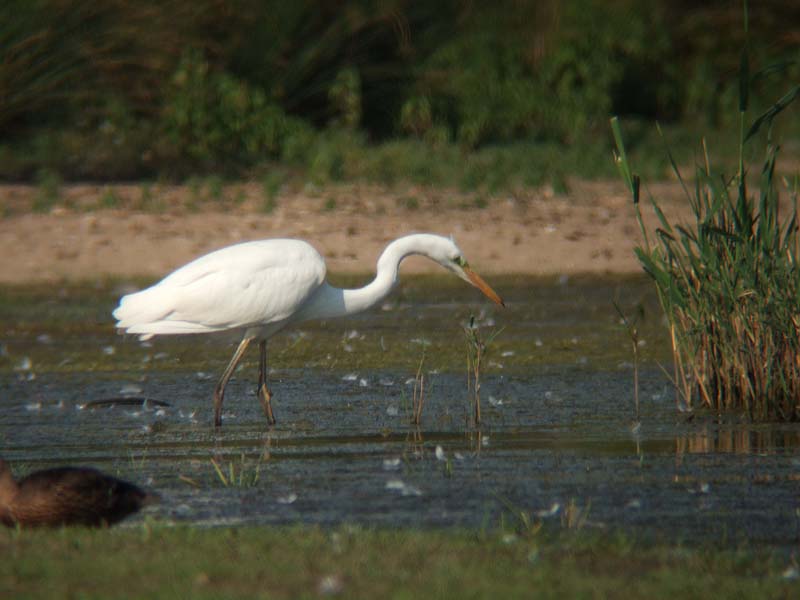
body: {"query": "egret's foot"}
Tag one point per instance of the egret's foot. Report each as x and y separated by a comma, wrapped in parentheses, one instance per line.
(266, 404)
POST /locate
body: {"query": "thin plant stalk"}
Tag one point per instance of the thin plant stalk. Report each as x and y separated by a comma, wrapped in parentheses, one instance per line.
(418, 398)
(476, 353)
(474, 359)
(633, 334)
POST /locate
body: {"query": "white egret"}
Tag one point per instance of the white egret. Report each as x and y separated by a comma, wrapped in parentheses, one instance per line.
(260, 287)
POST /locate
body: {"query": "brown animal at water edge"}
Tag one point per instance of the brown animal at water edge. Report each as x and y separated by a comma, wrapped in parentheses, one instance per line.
(67, 496)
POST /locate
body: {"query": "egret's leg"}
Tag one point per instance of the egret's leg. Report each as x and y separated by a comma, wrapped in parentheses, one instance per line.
(263, 390)
(219, 391)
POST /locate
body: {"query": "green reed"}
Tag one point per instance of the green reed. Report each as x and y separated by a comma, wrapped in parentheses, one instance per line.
(729, 283)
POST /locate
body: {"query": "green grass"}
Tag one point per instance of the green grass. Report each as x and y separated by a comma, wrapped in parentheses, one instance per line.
(152, 561)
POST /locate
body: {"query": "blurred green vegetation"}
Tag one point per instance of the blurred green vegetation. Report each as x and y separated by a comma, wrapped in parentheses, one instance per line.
(514, 92)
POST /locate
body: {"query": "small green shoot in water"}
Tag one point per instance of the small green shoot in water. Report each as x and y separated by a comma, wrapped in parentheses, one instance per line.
(448, 467)
(137, 462)
(477, 348)
(418, 398)
(633, 333)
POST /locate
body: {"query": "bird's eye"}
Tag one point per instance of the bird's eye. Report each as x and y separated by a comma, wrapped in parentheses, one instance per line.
(460, 261)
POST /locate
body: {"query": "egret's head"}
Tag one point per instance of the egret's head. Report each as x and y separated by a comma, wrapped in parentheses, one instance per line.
(448, 254)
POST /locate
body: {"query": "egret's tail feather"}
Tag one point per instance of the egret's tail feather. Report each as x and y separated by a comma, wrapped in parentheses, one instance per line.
(147, 330)
(140, 307)
(144, 313)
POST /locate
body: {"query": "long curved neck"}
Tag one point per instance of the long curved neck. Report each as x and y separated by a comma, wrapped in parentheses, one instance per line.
(334, 302)
(368, 296)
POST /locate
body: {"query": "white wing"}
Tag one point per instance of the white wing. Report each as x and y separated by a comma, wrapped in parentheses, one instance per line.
(245, 285)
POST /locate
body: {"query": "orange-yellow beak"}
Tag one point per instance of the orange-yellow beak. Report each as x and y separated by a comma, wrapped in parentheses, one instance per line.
(479, 283)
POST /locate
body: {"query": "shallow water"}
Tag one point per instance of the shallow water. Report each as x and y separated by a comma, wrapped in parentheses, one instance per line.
(556, 431)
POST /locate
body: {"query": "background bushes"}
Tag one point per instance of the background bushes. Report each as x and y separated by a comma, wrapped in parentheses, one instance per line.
(122, 89)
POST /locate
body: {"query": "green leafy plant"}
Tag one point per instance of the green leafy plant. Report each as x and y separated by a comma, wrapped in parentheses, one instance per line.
(216, 118)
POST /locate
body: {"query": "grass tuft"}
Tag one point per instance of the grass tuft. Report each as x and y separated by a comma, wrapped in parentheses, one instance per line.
(243, 475)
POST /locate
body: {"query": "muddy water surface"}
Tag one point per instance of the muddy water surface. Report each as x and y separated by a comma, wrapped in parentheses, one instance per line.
(556, 439)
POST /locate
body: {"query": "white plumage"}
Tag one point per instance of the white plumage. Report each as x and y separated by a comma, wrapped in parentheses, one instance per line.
(243, 286)
(259, 287)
